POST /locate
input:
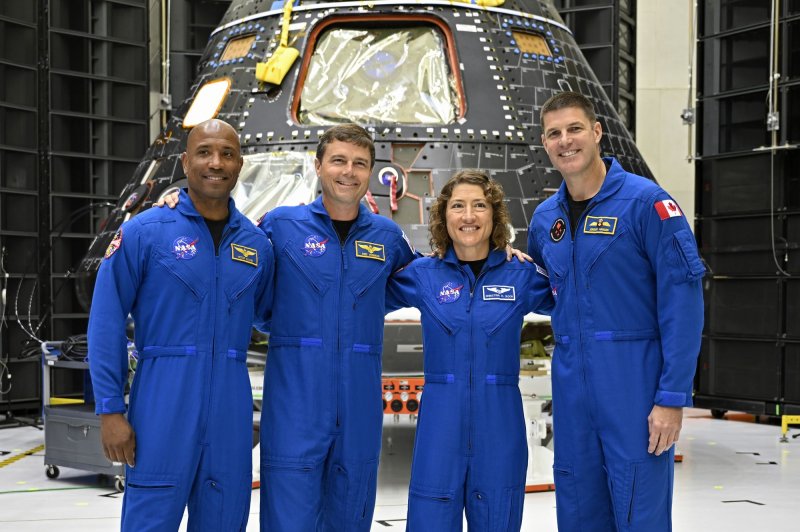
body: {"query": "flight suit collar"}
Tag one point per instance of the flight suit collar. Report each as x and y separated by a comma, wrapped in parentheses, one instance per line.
(186, 207)
(496, 257)
(364, 215)
(615, 177)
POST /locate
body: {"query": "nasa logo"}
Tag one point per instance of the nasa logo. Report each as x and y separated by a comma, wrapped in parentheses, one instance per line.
(314, 246)
(449, 293)
(558, 230)
(185, 248)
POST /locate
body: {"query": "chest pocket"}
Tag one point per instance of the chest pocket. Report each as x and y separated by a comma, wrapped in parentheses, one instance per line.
(367, 274)
(556, 261)
(240, 282)
(601, 246)
(183, 273)
(446, 316)
(439, 318)
(498, 313)
(300, 263)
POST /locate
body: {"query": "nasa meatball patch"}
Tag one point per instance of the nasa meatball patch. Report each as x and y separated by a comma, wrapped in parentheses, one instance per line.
(115, 244)
(449, 293)
(185, 248)
(558, 230)
(314, 246)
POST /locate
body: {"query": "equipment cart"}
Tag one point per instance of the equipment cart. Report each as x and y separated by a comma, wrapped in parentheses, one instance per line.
(71, 429)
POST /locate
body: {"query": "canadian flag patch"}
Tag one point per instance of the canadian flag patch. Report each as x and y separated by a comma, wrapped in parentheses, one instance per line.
(667, 209)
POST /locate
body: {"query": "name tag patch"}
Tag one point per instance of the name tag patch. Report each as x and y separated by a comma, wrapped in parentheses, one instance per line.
(370, 250)
(499, 293)
(244, 254)
(600, 225)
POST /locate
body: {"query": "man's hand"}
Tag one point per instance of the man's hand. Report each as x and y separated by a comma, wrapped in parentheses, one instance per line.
(664, 423)
(170, 200)
(119, 440)
(514, 252)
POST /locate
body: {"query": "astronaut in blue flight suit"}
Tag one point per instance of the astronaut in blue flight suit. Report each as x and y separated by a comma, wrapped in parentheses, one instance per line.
(626, 278)
(470, 450)
(194, 279)
(322, 413)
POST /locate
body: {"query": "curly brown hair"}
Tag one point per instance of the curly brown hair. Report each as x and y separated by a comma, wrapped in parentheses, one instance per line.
(440, 239)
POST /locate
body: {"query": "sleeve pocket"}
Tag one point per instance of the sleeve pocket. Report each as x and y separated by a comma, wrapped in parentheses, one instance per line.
(690, 267)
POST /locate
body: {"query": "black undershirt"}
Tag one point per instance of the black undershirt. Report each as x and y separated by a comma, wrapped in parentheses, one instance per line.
(576, 209)
(216, 227)
(343, 228)
(475, 265)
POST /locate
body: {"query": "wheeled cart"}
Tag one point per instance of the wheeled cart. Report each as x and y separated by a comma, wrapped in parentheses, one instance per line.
(72, 431)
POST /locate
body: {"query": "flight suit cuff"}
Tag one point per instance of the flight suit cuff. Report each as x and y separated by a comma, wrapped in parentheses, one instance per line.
(673, 399)
(110, 405)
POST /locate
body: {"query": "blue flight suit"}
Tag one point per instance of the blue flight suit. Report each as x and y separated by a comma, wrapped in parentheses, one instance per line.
(322, 412)
(627, 322)
(191, 404)
(471, 447)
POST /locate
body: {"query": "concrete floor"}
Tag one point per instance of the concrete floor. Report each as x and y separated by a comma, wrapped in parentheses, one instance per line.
(736, 475)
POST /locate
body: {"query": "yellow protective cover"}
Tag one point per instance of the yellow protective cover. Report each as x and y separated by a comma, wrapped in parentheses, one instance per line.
(276, 68)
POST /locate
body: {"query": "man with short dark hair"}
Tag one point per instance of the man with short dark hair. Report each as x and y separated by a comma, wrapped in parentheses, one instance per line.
(322, 415)
(626, 278)
(194, 279)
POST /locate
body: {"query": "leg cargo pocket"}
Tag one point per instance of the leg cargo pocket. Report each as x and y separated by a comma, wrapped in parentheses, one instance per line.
(151, 505)
(478, 512)
(567, 503)
(433, 509)
(643, 500)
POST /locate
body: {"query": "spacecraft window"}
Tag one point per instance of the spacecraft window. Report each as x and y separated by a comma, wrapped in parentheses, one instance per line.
(271, 179)
(380, 72)
(531, 43)
(238, 47)
(207, 102)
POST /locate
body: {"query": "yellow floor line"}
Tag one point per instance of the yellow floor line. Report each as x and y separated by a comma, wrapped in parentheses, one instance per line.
(14, 458)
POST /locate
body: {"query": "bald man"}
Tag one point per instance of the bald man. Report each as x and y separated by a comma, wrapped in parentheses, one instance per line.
(194, 279)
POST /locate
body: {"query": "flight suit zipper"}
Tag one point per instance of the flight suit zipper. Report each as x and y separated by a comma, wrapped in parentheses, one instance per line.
(573, 253)
(470, 413)
(337, 362)
(337, 372)
(214, 299)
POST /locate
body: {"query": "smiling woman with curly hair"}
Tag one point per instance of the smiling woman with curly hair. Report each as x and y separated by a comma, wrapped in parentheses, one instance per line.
(501, 233)
(470, 452)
